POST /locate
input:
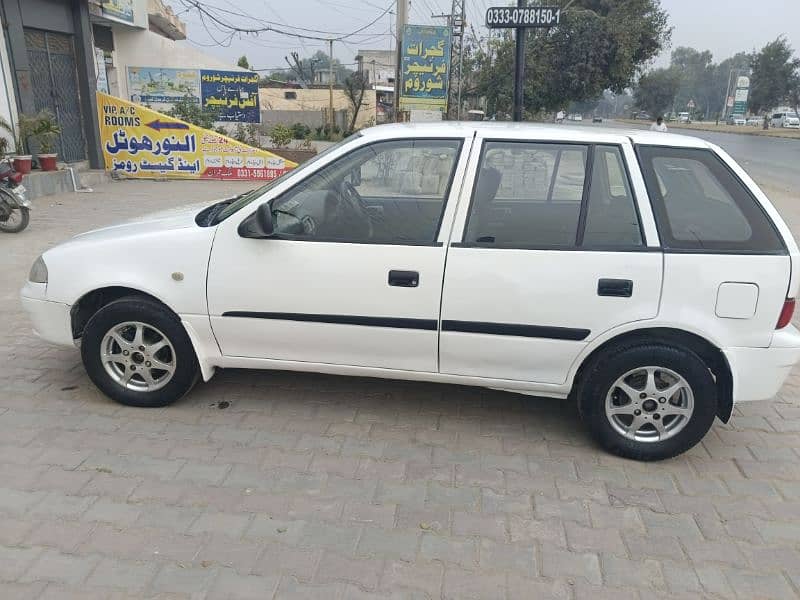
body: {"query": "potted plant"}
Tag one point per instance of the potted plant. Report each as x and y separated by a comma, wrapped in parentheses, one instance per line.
(45, 132)
(27, 126)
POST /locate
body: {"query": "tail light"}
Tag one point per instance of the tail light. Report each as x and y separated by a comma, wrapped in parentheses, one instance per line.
(787, 312)
(16, 177)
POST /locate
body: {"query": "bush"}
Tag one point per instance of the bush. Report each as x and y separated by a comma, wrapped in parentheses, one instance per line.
(281, 136)
(188, 109)
(300, 131)
(247, 134)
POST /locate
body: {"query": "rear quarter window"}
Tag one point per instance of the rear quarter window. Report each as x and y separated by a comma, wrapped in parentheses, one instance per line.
(701, 205)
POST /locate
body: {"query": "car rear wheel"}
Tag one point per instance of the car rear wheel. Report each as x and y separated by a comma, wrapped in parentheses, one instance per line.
(138, 353)
(648, 401)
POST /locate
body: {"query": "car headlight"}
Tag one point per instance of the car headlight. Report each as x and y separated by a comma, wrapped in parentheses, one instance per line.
(38, 272)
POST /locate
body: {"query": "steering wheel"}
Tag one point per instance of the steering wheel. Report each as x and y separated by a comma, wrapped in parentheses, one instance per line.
(355, 205)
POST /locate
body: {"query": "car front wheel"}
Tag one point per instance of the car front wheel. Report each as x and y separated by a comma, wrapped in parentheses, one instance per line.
(648, 401)
(138, 353)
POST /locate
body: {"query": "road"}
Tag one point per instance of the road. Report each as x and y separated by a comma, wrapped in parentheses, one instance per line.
(773, 162)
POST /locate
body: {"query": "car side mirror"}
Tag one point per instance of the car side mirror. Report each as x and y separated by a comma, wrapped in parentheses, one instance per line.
(355, 176)
(258, 225)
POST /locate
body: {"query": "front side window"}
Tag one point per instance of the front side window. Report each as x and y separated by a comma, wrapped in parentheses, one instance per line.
(539, 195)
(386, 192)
(701, 205)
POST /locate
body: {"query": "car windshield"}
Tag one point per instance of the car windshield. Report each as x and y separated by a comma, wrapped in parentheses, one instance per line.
(248, 197)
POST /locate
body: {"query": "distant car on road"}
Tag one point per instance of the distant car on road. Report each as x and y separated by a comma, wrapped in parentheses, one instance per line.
(737, 120)
(755, 121)
(683, 117)
(597, 119)
(642, 116)
(785, 120)
(576, 117)
(642, 275)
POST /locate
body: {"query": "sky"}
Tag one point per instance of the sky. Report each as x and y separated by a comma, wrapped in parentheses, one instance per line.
(722, 26)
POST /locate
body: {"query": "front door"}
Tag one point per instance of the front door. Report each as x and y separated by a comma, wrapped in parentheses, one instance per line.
(55, 88)
(354, 274)
(552, 255)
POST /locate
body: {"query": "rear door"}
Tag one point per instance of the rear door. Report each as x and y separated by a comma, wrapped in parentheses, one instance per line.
(552, 252)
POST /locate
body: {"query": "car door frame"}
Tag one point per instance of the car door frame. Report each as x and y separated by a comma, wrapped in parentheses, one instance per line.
(464, 136)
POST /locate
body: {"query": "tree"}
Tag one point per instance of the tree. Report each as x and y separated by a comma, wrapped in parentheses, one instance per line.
(657, 90)
(599, 45)
(355, 87)
(242, 62)
(696, 70)
(775, 75)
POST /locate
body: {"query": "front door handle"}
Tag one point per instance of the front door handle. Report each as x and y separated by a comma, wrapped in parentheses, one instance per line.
(404, 278)
(616, 288)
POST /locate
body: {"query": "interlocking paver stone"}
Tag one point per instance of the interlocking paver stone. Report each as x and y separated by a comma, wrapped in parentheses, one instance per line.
(312, 486)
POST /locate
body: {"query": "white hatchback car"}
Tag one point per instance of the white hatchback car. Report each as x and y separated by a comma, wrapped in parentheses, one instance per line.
(643, 275)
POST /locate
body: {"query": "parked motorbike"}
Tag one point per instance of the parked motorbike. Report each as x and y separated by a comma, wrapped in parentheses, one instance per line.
(14, 204)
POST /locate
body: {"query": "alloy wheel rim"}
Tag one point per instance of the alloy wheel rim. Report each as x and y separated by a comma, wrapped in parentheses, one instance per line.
(138, 357)
(649, 404)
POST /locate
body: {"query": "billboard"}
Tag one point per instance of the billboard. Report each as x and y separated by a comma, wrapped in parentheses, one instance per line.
(160, 88)
(233, 93)
(741, 95)
(119, 10)
(425, 68)
(140, 142)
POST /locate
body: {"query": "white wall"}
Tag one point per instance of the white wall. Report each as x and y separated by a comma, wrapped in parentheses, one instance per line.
(136, 48)
(8, 101)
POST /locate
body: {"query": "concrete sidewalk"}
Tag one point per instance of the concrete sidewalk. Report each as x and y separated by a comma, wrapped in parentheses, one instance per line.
(285, 485)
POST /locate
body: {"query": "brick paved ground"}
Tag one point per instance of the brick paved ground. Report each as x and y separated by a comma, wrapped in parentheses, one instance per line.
(281, 485)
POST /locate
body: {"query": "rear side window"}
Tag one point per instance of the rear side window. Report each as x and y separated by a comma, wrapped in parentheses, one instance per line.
(528, 195)
(700, 204)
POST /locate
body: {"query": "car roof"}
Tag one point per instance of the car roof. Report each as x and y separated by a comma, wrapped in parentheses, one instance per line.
(534, 131)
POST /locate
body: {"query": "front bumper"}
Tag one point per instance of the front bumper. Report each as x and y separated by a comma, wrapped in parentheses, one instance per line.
(51, 320)
(759, 373)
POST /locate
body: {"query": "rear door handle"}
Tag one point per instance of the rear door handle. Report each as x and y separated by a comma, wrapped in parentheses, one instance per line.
(616, 288)
(404, 278)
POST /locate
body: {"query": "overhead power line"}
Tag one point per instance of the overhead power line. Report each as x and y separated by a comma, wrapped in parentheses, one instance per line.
(213, 14)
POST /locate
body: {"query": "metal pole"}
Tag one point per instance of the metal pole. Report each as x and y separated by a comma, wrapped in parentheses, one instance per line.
(463, 18)
(331, 118)
(727, 93)
(402, 9)
(519, 68)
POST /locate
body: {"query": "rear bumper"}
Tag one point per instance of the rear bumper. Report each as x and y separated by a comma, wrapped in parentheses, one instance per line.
(51, 320)
(759, 373)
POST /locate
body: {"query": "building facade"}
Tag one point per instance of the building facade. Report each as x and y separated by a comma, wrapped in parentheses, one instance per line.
(57, 53)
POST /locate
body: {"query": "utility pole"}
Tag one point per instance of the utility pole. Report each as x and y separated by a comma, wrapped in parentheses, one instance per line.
(402, 12)
(330, 86)
(519, 69)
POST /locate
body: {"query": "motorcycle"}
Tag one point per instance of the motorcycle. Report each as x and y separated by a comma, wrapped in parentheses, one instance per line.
(14, 205)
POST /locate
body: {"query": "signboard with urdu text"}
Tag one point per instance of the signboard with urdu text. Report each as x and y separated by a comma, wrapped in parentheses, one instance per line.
(140, 142)
(425, 68)
(233, 93)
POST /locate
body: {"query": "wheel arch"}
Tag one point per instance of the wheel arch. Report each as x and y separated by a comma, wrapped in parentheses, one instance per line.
(711, 355)
(92, 301)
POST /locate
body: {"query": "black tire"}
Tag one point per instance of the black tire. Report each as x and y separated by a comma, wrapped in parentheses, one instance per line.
(153, 314)
(606, 369)
(25, 217)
